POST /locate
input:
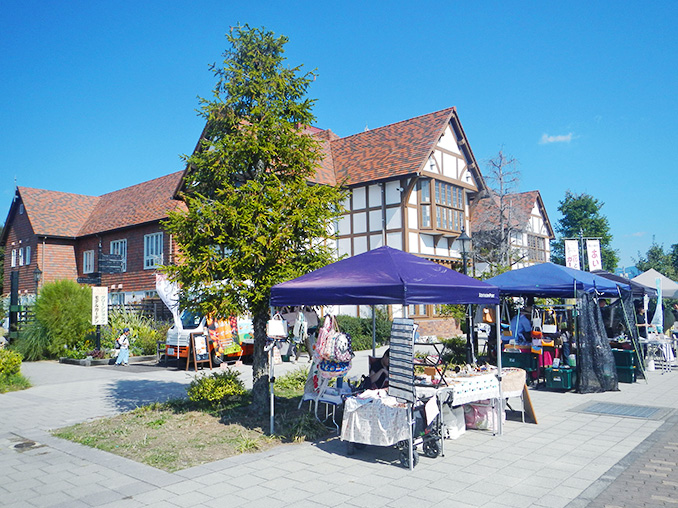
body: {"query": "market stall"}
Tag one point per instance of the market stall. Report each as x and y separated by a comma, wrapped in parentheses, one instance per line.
(384, 276)
(595, 363)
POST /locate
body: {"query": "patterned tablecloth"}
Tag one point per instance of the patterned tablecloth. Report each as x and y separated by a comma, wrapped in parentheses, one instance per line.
(464, 388)
(374, 418)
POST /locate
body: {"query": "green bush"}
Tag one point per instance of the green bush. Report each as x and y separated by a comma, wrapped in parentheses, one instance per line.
(215, 390)
(33, 342)
(10, 363)
(144, 332)
(360, 330)
(293, 381)
(455, 350)
(64, 309)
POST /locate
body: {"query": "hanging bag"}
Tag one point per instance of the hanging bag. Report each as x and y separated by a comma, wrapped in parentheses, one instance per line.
(550, 324)
(276, 326)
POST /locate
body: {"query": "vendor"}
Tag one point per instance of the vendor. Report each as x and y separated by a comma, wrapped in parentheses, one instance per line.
(379, 372)
(521, 327)
(641, 319)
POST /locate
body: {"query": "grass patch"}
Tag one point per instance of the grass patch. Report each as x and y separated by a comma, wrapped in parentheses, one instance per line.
(13, 383)
(180, 434)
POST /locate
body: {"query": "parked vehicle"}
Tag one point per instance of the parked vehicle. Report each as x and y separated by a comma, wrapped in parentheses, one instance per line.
(228, 339)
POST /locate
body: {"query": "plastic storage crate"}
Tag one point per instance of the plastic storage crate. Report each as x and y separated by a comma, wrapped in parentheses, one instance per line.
(523, 360)
(560, 379)
(624, 357)
(626, 374)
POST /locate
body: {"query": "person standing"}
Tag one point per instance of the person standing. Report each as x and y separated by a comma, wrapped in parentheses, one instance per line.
(123, 355)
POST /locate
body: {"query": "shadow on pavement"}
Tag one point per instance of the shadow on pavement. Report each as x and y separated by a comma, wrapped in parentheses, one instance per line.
(364, 453)
(130, 394)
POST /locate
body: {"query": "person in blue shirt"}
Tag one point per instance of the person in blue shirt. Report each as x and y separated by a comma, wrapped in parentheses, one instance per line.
(521, 327)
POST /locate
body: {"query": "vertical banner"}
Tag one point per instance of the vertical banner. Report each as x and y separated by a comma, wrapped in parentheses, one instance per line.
(593, 253)
(658, 318)
(99, 305)
(572, 254)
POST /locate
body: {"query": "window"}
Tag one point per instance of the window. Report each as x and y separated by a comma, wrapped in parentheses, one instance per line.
(416, 310)
(449, 206)
(117, 298)
(21, 256)
(152, 251)
(13, 264)
(120, 247)
(27, 256)
(88, 261)
(21, 209)
(426, 216)
(425, 190)
(536, 248)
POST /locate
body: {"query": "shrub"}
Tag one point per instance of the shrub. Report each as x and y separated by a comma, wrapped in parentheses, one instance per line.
(144, 332)
(360, 330)
(33, 342)
(215, 390)
(64, 309)
(293, 381)
(10, 363)
(455, 350)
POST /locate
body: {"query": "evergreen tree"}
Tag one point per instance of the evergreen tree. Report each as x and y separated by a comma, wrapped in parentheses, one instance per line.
(253, 218)
(663, 262)
(581, 217)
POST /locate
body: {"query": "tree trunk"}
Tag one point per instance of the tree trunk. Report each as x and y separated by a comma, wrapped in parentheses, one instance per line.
(260, 388)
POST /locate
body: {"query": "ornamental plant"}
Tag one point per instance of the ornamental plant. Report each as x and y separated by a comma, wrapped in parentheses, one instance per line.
(215, 390)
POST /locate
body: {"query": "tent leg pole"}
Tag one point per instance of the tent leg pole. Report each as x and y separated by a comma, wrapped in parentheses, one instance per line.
(374, 333)
(500, 410)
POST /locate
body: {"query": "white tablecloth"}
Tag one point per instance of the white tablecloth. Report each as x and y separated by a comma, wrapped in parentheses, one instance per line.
(464, 388)
(374, 419)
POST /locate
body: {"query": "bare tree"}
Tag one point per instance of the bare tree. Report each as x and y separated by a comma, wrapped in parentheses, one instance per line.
(496, 219)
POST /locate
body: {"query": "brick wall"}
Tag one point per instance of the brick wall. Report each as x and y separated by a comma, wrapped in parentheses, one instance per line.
(20, 235)
(444, 328)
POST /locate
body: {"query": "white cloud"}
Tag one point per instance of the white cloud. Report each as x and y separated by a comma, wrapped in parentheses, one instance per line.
(637, 234)
(561, 138)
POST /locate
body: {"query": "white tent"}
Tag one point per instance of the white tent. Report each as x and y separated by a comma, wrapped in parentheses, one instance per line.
(669, 287)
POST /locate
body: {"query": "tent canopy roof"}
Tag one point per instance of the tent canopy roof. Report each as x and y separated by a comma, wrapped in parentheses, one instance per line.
(551, 280)
(669, 287)
(383, 276)
(637, 289)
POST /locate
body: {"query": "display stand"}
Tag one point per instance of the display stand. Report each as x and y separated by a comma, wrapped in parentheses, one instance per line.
(199, 351)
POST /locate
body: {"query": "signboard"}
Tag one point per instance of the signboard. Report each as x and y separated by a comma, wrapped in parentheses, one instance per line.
(199, 351)
(99, 305)
(593, 253)
(94, 278)
(401, 360)
(572, 254)
(110, 263)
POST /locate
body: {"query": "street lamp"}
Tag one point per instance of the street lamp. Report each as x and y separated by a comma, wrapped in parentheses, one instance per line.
(465, 247)
(37, 276)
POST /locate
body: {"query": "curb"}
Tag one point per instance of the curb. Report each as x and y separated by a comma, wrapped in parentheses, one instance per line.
(89, 361)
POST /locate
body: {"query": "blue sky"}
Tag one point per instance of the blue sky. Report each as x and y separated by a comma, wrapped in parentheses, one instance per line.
(100, 95)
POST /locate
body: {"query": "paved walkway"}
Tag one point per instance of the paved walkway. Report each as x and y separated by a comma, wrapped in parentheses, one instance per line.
(571, 458)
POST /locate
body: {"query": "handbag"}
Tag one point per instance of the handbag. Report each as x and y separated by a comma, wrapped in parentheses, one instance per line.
(276, 326)
(324, 343)
(550, 324)
(343, 350)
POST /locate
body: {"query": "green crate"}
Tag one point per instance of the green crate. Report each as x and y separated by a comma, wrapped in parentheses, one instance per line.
(560, 379)
(624, 357)
(526, 361)
(626, 374)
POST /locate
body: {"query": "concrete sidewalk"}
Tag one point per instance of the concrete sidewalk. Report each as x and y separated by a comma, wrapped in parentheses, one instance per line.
(571, 458)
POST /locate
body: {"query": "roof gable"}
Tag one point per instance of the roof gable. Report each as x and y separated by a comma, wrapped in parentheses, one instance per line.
(53, 213)
(394, 150)
(485, 213)
(145, 202)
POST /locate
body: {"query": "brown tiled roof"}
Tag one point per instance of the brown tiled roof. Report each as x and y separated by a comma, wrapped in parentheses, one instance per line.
(145, 202)
(398, 149)
(485, 211)
(53, 213)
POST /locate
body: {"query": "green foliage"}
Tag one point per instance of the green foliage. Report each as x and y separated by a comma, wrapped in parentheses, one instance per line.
(245, 187)
(214, 390)
(581, 213)
(64, 309)
(455, 350)
(302, 427)
(144, 332)
(665, 263)
(10, 363)
(456, 312)
(13, 383)
(292, 382)
(33, 342)
(360, 330)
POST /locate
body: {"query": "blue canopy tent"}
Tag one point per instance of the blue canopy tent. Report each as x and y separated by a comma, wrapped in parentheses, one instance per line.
(381, 277)
(557, 281)
(595, 363)
(385, 276)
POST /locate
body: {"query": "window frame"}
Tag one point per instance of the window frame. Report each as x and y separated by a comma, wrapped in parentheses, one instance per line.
(152, 241)
(88, 261)
(112, 250)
